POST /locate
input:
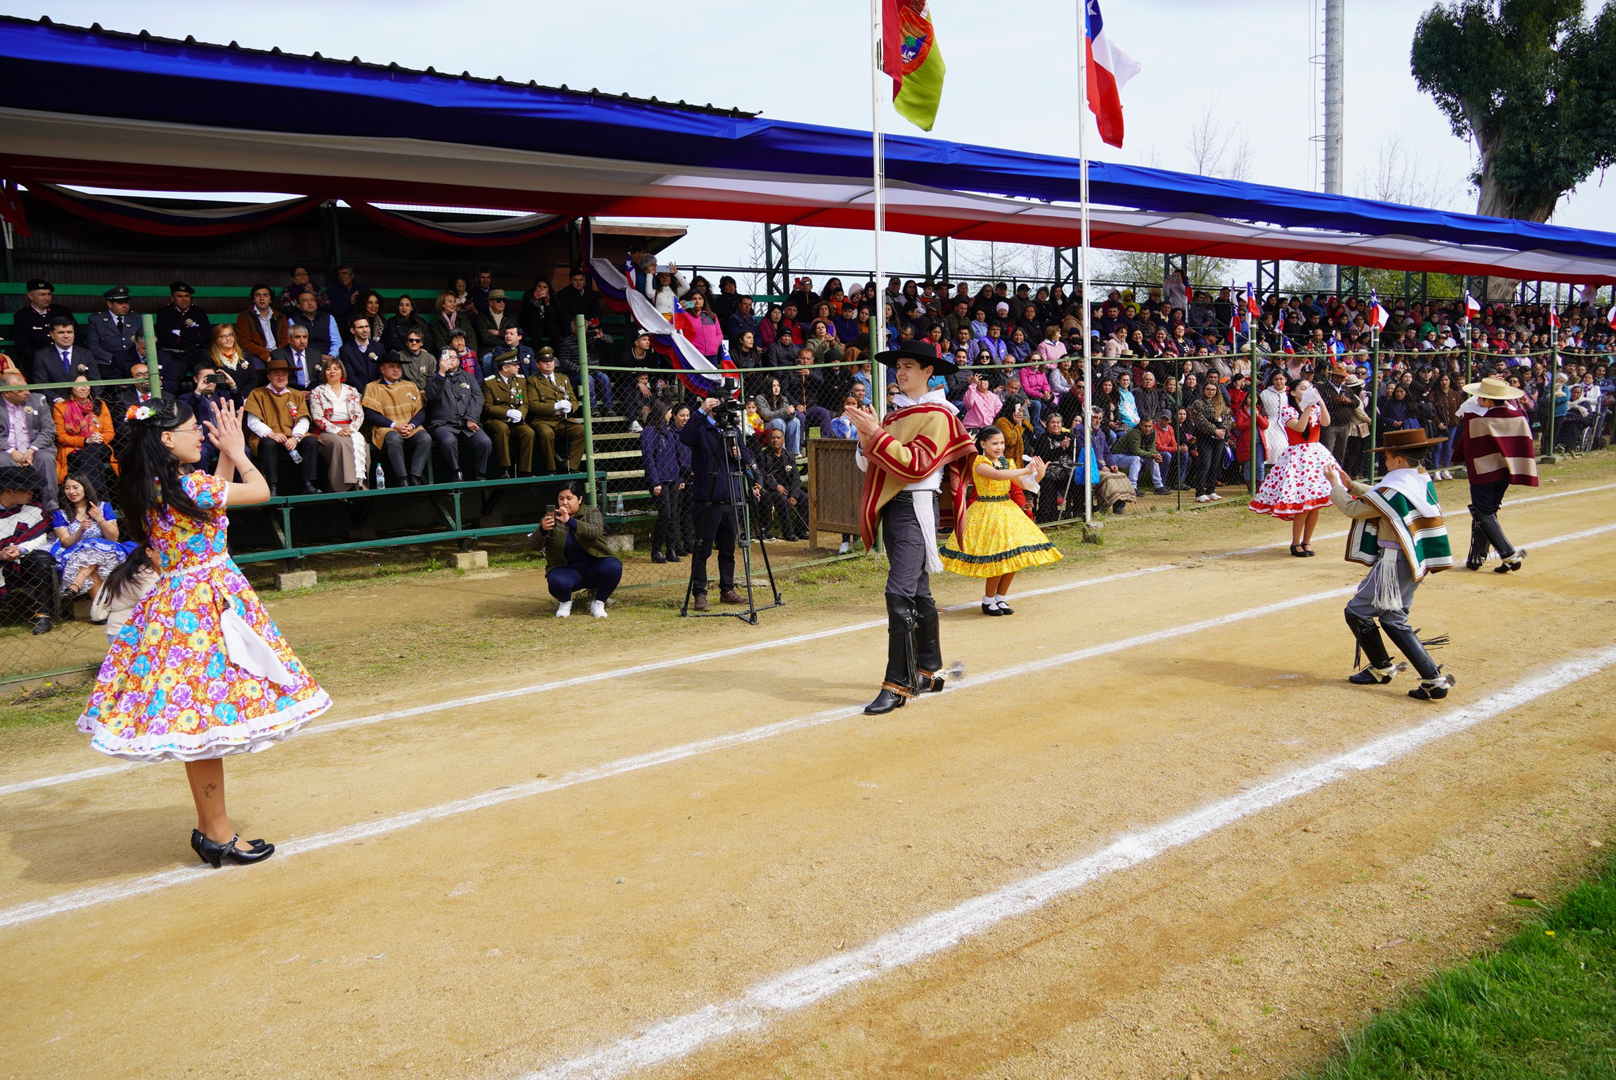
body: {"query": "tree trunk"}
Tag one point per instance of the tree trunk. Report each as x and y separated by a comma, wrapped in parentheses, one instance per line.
(1494, 201)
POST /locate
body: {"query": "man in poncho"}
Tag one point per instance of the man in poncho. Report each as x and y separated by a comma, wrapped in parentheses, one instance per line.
(1495, 443)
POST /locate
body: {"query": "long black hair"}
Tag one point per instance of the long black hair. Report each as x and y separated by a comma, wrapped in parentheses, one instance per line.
(149, 479)
(137, 560)
(91, 496)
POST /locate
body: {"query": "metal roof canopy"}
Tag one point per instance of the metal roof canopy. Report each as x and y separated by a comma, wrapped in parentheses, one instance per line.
(146, 112)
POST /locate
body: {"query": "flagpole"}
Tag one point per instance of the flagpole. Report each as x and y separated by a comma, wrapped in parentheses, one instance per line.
(878, 310)
(1554, 370)
(1083, 258)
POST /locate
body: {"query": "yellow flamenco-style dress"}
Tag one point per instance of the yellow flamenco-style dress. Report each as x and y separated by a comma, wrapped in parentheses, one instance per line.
(999, 538)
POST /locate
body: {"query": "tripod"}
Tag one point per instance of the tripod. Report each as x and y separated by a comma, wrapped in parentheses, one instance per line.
(739, 486)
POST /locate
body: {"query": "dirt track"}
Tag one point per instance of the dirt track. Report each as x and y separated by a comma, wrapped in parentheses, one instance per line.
(521, 934)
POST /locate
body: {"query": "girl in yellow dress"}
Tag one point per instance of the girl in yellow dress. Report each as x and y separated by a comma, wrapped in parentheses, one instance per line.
(999, 537)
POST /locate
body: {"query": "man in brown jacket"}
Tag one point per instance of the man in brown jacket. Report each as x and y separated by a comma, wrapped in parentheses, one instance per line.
(552, 408)
(506, 402)
(260, 330)
(396, 413)
(277, 422)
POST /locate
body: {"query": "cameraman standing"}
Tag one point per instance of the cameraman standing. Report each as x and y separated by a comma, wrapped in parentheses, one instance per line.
(716, 491)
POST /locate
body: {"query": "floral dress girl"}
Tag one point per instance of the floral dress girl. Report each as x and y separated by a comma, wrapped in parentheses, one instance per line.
(1299, 481)
(199, 671)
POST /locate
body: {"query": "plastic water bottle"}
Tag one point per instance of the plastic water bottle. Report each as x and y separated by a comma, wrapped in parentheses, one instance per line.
(297, 458)
(381, 478)
(617, 504)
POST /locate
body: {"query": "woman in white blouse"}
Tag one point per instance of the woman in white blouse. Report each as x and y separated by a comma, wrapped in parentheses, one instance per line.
(334, 408)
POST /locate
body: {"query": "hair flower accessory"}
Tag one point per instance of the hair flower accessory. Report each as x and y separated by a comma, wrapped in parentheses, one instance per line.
(140, 412)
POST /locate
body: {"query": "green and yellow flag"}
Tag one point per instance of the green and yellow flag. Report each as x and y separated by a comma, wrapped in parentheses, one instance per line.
(910, 56)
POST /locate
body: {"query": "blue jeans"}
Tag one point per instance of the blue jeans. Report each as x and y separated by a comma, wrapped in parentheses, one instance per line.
(1135, 464)
(1444, 452)
(1262, 471)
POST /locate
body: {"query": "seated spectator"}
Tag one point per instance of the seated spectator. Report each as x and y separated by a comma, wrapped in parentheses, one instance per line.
(454, 402)
(113, 335)
(538, 316)
(982, 405)
(506, 417)
(1054, 447)
(370, 306)
(782, 491)
(806, 388)
(1018, 432)
(1175, 458)
(212, 388)
(299, 285)
(494, 358)
(30, 326)
(84, 436)
(120, 398)
(360, 356)
(324, 338)
(226, 355)
(62, 358)
(480, 291)
(493, 319)
(27, 575)
(664, 288)
(86, 548)
(339, 419)
(417, 363)
(28, 433)
(395, 409)
(552, 403)
(398, 328)
(779, 414)
(277, 421)
(184, 335)
(299, 355)
(342, 295)
(575, 553)
(660, 449)
(1137, 448)
(448, 319)
(261, 329)
(464, 356)
(823, 344)
(741, 322)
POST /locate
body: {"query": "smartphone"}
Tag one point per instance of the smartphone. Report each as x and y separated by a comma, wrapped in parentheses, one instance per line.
(550, 511)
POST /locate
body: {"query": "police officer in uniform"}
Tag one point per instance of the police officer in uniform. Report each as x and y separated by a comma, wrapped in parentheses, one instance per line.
(113, 336)
(183, 336)
(30, 327)
(505, 415)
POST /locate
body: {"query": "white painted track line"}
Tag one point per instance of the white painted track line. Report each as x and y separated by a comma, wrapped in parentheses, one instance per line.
(676, 1038)
(717, 654)
(63, 903)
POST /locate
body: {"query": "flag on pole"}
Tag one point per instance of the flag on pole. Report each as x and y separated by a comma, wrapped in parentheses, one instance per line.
(1253, 309)
(910, 57)
(1472, 309)
(1286, 346)
(1554, 318)
(1378, 315)
(1109, 69)
(1611, 318)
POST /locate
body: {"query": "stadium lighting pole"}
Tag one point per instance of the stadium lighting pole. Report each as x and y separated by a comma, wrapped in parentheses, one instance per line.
(1083, 258)
(586, 396)
(878, 310)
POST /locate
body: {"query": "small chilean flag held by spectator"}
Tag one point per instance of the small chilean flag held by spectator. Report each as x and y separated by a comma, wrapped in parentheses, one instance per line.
(1109, 69)
(1472, 309)
(1378, 315)
(910, 57)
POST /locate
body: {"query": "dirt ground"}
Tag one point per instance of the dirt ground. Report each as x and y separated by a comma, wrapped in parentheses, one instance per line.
(536, 921)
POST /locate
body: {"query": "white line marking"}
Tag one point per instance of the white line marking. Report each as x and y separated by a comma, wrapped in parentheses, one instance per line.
(676, 1038)
(101, 894)
(718, 654)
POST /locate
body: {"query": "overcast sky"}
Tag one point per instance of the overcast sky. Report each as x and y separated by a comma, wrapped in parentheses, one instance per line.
(1012, 75)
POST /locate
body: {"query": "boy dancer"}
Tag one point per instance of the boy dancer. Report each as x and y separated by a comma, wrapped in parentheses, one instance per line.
(904, 456)
(1397, 530)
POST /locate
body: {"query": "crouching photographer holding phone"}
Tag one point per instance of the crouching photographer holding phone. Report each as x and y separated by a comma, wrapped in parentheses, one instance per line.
(718, 485)
(573, 536)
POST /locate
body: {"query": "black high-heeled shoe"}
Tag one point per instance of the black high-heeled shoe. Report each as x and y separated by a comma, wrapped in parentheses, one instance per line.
(214, 853)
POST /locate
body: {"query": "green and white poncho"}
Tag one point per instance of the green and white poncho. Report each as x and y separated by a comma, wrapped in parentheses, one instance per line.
(1408, 506)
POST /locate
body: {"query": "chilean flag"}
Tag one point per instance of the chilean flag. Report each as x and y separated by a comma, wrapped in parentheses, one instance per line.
(1109, 69)
(1472, 309)
(1554, 318)
(1611, 318)
(1378, 315)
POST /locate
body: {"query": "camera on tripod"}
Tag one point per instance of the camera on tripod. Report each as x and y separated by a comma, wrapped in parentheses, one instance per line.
(730, 416)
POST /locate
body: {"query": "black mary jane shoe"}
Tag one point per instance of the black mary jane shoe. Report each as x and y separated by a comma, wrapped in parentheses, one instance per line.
(214, 853)
(1296, 550)
(887, 700)
(990, 609)
(1307, 552)
(1006, 609)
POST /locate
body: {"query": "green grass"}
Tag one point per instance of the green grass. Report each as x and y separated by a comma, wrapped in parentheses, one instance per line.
(1543, 1005)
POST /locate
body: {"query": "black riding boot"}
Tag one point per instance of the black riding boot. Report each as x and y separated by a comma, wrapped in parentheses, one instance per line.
(928, 647)
(1433, 684)
(1494, 532)
(1380, 669)
(1480, 545)
(899, 683)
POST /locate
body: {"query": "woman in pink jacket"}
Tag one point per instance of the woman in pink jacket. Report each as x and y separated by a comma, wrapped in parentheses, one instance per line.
(982, 405)
(705, 332)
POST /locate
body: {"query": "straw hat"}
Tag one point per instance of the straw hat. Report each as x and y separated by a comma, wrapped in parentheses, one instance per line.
(1405, 439)
(1494, 389)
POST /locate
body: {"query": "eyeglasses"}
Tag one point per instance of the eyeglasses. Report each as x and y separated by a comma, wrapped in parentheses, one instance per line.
(192, 429)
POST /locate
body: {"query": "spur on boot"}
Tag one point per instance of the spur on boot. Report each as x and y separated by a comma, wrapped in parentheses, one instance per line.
(1511, 562)
(214, 853)
(1434, 689)
(887, 700)
(1373, 675)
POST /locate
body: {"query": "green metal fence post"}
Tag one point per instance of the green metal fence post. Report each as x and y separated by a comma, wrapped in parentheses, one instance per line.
(1374, 398)
(587, 396)
(1251, 411)
(148, 330)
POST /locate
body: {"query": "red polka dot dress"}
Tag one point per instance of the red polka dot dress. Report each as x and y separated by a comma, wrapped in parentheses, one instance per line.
(1300, 480)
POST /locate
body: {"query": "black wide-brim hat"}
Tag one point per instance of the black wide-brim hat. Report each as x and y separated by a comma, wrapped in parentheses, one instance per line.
(17, 478)
(1406, 439)
(920, 352)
